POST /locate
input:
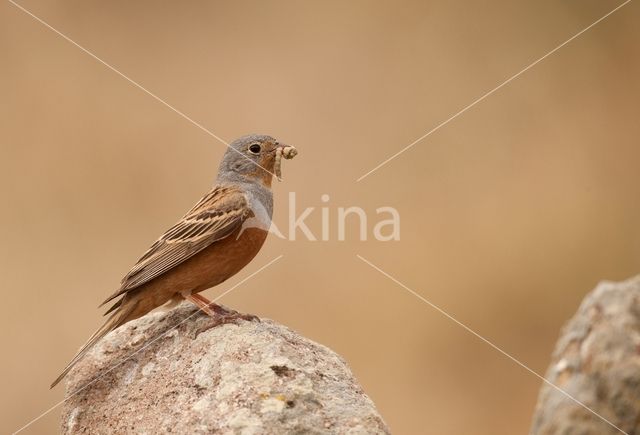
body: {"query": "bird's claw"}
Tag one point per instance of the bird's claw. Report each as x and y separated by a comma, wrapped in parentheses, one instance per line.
(223, 317)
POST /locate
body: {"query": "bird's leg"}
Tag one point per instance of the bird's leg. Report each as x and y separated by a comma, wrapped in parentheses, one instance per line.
(219, 314)
(203, 303)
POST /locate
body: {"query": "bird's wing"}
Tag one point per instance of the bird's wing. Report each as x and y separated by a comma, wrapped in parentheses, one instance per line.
(217, 215)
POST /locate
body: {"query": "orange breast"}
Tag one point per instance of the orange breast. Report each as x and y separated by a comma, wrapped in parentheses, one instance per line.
(223, 259)
(208, 268)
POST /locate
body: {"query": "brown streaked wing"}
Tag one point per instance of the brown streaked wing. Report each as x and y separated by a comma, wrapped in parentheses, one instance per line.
(218, 214)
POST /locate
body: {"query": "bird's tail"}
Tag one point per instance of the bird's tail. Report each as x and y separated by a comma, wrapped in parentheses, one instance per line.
(120, 316)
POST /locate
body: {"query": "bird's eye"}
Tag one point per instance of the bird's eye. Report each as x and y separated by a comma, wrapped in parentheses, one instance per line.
(254, 148)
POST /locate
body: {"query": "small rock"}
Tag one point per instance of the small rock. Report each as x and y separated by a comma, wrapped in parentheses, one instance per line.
(596, 362)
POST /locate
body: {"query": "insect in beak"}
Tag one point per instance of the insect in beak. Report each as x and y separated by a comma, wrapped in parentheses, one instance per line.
(286, 151)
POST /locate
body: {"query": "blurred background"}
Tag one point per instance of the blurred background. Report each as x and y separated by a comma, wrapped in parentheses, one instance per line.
(510, 214)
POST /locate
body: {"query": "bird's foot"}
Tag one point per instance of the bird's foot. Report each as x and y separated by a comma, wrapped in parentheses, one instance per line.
(218, 314)
(222, 317)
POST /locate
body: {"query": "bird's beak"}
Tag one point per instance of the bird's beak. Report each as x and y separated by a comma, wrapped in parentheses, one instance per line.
(286, 151)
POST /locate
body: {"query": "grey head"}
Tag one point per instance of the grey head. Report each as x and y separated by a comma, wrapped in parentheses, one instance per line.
(251, 162)
(249, 159)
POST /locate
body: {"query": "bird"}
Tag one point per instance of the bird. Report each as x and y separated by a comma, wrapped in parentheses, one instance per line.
(212, 242)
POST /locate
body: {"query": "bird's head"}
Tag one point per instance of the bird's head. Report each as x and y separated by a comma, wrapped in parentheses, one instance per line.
(254, 158)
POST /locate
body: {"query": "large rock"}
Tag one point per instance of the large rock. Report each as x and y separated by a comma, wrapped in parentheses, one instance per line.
(245, 378)
(597, 361)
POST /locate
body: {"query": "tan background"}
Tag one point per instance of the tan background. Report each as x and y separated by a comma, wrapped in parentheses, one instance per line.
(510, 213)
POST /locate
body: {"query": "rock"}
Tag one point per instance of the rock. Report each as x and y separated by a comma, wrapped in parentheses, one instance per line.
(597, 361)
(249, 377)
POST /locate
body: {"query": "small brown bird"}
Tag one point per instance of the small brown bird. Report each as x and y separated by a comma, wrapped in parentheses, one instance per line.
(220, 235)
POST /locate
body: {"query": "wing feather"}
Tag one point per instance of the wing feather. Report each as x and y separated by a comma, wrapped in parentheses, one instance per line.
(217, 215)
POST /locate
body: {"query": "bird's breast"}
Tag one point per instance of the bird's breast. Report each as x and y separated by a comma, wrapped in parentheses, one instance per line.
(261, 212)
(225, 258)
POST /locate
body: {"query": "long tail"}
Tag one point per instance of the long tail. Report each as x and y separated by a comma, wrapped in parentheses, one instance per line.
(119, 317)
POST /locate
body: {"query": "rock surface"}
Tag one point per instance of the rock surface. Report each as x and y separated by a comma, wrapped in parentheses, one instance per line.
(242, 378)
(597, 361)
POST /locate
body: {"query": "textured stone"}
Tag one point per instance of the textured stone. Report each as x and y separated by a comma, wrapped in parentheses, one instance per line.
(242, 378)
(597, 361)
